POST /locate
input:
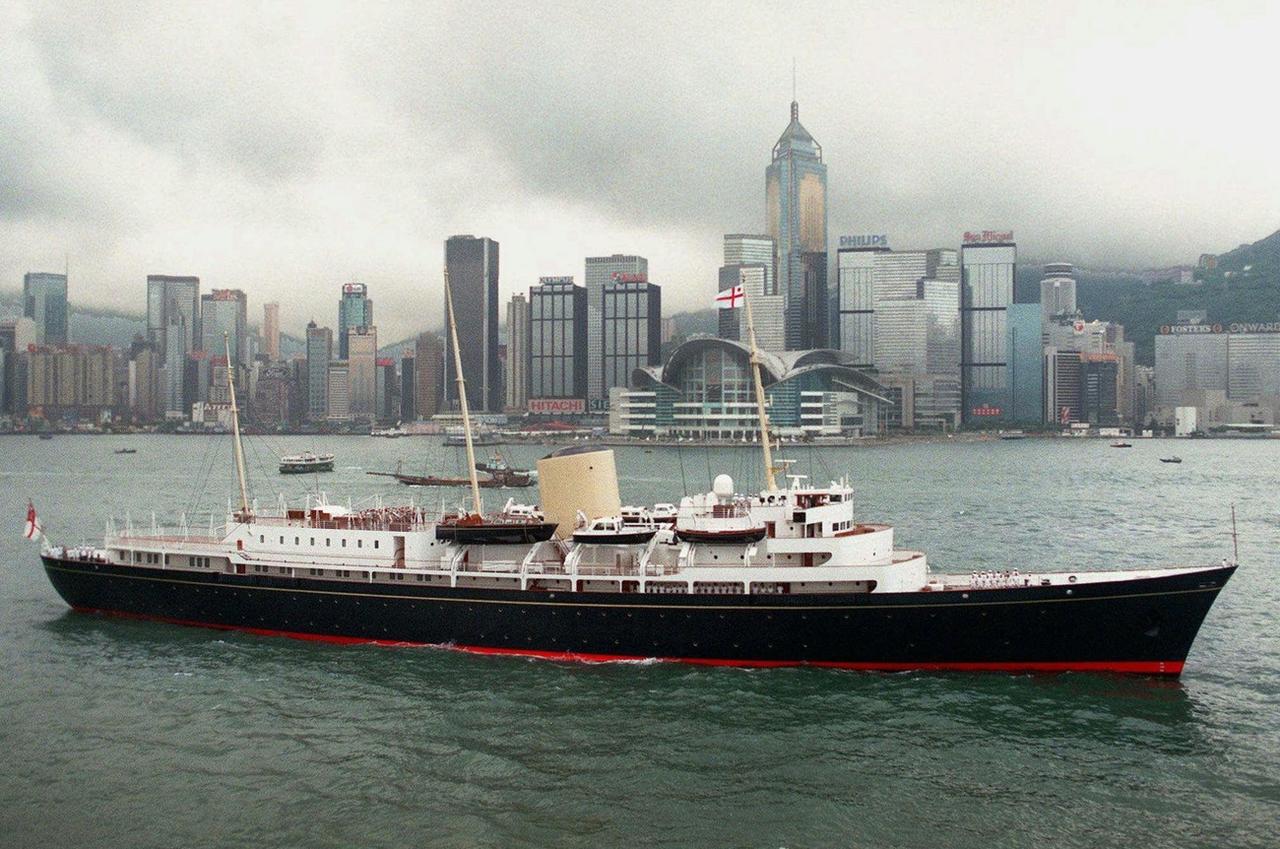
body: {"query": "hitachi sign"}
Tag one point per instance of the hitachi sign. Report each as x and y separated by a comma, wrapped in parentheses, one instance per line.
(864, 241)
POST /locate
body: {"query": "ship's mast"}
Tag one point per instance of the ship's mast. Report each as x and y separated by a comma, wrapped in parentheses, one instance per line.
(462, 400)
(237, 448)
(770, 483)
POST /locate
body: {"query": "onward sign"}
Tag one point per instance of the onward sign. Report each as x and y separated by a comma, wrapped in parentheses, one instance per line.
(864, 241)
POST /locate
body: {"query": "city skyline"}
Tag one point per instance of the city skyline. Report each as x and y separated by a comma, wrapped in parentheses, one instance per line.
(907, 153)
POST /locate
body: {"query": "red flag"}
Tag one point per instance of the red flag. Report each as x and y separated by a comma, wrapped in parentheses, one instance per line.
(32, 528)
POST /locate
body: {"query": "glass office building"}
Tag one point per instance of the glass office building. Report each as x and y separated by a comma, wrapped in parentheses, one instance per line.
(632, 328)
(796, 209)
(473, 280)
(355, 309)
(855, 314)
(225, 311)
(168, 295)
(986, 291)
(44, 301)
(319, 353)
(557, 339)
(599, 271)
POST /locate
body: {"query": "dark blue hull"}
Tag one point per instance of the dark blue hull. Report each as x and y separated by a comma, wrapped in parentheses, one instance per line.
(1143, 625)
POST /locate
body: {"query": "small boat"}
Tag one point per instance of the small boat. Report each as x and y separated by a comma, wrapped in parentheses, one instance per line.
(389, 432)
(498, 468)
(1120, 443)
(46, 436)
(498, 476)
(457, 440)
(506, 528)
(126, 450)
(1174, 459)
(611, 530)
(300, 464)
(1012, 434)
(634, 526)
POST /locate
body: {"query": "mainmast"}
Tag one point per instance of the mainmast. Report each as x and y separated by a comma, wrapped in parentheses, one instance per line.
(237, 448)
(770, 483)
(462, 399)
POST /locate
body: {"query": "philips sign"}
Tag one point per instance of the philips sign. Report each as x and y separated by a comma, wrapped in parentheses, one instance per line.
(864, 241)
(555, 281)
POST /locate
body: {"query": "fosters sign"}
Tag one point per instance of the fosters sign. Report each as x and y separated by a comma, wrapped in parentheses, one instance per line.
(1217, 327)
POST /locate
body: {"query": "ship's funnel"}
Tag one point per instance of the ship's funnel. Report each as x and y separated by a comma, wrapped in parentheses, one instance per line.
(578, 479)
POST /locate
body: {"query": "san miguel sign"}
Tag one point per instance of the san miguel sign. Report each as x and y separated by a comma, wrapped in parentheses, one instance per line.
(988, 237)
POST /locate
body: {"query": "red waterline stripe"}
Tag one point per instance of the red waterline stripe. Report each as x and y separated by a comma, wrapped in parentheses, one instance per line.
(1132, 667)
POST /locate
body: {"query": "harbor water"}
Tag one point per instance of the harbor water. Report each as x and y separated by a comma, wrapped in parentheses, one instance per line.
(118, 733)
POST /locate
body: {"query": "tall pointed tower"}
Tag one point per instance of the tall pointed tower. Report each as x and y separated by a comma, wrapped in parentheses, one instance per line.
(796, 206)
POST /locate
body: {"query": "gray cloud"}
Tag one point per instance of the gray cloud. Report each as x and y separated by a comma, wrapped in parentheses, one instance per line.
(285, 149)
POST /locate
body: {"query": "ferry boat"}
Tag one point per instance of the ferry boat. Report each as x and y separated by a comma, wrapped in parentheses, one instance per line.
(789, 575)
(306, 462)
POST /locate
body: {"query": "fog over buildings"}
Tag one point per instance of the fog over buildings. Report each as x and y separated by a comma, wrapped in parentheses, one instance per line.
(280, 149)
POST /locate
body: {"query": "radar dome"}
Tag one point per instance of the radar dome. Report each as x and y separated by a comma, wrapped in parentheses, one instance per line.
(722, 486)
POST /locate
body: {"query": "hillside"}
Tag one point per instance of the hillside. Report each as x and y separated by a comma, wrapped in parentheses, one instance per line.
(1248, 263)
(1244, 287)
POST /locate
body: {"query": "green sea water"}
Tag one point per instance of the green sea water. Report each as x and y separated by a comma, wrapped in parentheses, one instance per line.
(128, 734)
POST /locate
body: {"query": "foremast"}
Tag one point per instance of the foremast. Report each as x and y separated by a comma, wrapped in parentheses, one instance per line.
(766, 447)
(236, 446)
(477, 503)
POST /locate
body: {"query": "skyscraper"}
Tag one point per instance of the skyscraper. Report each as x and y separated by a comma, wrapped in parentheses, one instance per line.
(166, 295)
(355, 309)
(429, 374)
(1057, 293)
(899, 313)
(557, 339)
(796, 208)
(408, 402)
(44, 301)
(225, 311)
(174, 371)
(632, 328)
(473, 279)
(362, 378)
(599, 271)
(749, 262)
(319, 353)
(987, 264)
(271, 331)
(517, 378)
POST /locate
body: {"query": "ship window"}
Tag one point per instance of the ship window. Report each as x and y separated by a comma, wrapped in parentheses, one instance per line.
(344, 543)
(262, 537)
(313, 540)
(282, 540)
(326, 542)
(359, 543)
(375, 543)
(295, 540)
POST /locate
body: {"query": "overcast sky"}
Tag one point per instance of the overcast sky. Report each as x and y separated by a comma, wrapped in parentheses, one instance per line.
(287, 149)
